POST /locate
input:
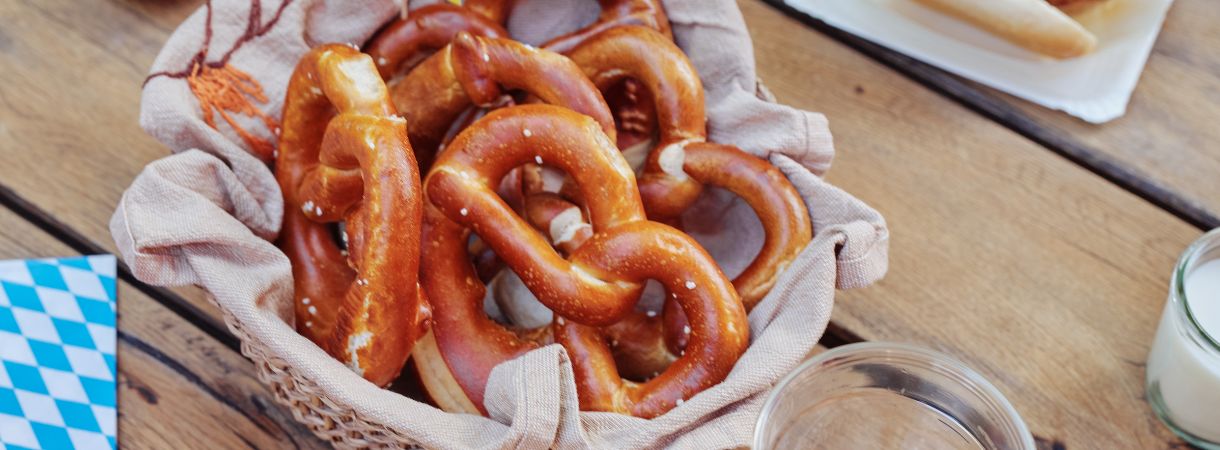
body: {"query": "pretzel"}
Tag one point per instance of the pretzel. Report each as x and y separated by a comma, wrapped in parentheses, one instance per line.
(780, 209)
(476, 71)
(494, 10)
(616, 13)
(344, 155)
(646, 342)
(682, 162)
(598, 285)
(631, 106)
(428, 29)
(638, 341)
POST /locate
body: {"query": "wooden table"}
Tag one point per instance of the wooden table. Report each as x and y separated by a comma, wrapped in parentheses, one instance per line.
(1031, 245)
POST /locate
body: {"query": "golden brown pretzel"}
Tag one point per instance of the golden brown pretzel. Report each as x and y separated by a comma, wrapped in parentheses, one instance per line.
(427, 29)
(662, 70)
(616, 13)
(461, 186)
(344, 155)
(456, 357)
(779, 207)
(646, 342)
(638, 341)
(598, 285)
(675, 171)
(476, 71)
(495, 10)
(681, 163)
(631, 108)
(719, 331)
(631, 105)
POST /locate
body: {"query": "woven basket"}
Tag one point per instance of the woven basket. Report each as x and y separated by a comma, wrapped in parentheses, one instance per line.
(207, 215)
(331, 422)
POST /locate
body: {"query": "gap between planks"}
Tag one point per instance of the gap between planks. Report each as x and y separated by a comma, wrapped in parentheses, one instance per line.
(1009, 117)
(78, 242)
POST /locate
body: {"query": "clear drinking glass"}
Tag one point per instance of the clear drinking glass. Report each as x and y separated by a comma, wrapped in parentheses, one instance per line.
(1183, 370)
(878, 395)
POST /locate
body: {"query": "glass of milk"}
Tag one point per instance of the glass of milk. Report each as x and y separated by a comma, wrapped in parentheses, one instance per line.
(879, 395)
(1184, 366)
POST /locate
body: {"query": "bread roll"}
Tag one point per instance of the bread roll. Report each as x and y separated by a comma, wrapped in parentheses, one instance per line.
(1033, 24)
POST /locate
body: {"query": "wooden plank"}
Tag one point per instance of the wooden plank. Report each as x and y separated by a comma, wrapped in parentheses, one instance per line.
(1162, 149)
(1041, 275)
(896, 139)
(178, 388)
(1169, 135)
(70, 77)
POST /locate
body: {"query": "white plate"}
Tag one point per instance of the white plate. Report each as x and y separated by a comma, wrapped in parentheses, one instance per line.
(1094, 87)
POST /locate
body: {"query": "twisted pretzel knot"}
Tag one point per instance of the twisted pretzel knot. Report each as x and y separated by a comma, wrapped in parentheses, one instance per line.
(614, 13)
(344, 155)
(631, 108)
(673, 176)
(476, 71)
(403, 42)
(598, 285)
(682, 161)
(617, 13)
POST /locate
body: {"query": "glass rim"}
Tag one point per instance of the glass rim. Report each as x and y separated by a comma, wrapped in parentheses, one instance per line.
(1188, 257)
(942, 361)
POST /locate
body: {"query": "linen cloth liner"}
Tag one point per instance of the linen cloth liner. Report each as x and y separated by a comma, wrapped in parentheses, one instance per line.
(207, 215)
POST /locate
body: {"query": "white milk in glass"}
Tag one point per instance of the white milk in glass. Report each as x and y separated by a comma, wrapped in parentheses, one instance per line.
(1184, 365)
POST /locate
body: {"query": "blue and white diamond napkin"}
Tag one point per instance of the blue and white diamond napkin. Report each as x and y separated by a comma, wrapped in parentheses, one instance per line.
(57, 348)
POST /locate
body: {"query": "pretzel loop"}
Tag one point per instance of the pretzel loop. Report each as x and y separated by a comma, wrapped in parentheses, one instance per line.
(663, 71)
(461, 186)
(344, 155)
(719, 331)
(673, 176)
(465, 345)
(427, 29)
(616, 13)
(682, 162)
(495, 10)
(475, 71)
(598, 285)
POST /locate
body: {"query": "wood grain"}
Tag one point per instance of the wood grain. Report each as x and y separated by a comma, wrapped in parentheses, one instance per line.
(1039, 274)
(177, 387)
(1169, 135)
(1163, 149)
(70, 76)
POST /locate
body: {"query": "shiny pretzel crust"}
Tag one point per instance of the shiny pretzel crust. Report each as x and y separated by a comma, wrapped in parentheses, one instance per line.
(600, 283)
(344, 155)
(476, 71)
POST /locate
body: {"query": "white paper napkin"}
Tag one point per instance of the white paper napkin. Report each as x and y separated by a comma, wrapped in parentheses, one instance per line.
(1094, 87)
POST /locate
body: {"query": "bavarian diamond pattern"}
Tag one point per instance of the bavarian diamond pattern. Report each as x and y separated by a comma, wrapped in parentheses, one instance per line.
(57, 353)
